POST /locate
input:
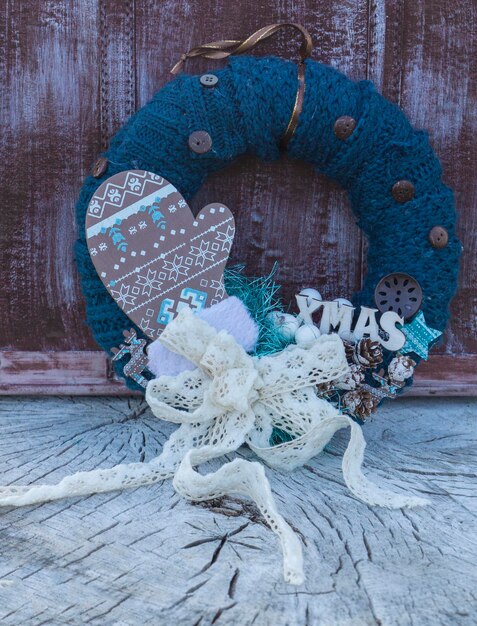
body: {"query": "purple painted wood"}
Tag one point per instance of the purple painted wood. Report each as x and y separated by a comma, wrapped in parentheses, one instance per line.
(72, 72)
(90, 373)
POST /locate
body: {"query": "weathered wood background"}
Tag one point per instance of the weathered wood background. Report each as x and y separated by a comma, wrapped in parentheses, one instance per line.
(147, 557)
(72, 71)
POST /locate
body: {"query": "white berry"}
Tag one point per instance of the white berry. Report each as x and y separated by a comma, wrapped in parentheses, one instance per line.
(343, 301)
(347, 336)
(306, 335)
(311, 294)
(285, 323)
(274, 317)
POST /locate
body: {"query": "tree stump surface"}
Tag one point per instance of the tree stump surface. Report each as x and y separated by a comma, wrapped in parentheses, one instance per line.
(148, 557)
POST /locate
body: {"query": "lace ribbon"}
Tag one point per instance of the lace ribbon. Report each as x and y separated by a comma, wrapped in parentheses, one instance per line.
(231, 399)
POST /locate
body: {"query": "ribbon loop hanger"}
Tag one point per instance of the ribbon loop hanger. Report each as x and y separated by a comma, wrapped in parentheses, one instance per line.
(228, 47)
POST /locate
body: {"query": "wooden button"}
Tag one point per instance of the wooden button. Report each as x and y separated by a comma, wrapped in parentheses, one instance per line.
(208, 80)
(200, 142)
(100, 167)
(403, 191)
(439, 237)
(400, 293)
(344, 127)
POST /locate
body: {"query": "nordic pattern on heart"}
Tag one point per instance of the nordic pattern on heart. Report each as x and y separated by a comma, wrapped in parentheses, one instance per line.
(148, 282)
(179, 266)
(176, 267)
(112, 196)
(151, 253)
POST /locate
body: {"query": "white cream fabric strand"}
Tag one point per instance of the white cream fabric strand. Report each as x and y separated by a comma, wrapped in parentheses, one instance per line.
(232, 399)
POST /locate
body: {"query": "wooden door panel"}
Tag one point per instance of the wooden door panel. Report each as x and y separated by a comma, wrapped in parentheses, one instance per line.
(429, 68)
(49, 131)
(73, 71)
(432, 75)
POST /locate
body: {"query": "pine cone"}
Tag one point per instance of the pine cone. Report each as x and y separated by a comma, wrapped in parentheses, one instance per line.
(400, 369)
(351, 380)
(349, 351)
(330, 392)
(368, 353)
(325, 389)
(360, 402)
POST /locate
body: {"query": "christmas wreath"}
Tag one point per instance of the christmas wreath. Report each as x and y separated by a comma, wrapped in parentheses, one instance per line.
(225, 360)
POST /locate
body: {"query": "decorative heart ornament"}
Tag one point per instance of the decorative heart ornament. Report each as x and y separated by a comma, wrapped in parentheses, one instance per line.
(152, 255)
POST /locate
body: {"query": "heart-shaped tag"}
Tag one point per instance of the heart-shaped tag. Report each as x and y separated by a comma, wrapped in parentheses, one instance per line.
(152, 255)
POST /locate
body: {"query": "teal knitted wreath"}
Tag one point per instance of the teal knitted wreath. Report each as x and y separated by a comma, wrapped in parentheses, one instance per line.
(248, 111)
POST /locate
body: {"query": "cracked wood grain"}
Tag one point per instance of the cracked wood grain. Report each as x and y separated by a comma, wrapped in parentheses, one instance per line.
(148, 557)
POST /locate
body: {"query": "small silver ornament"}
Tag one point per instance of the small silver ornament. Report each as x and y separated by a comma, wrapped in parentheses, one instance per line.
(285, 323)
(311, 294)
(306, 335)
(343, 302)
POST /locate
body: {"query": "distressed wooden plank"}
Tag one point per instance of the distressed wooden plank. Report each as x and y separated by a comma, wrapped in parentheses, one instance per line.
(68, 71)
(424, 59)
(69, 83)
(49, 117)
(47, 373)
(148, 557)
(82, 373)
(446, 375)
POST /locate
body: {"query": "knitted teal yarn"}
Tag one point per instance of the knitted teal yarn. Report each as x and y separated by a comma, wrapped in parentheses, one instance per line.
(249, 110)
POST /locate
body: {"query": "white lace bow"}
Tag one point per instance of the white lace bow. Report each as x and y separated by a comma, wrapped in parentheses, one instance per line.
(232, 398)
